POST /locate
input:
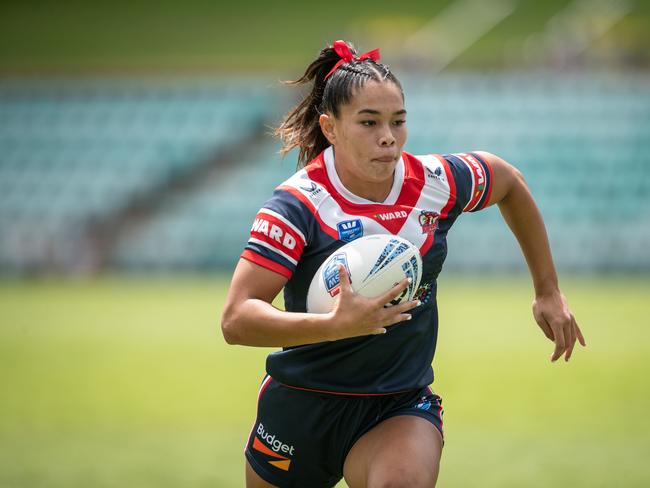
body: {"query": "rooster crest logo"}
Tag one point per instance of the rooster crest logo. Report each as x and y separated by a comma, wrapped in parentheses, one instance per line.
(429, 221)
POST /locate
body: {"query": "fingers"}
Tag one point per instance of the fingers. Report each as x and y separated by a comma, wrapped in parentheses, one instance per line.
(554, 317)
(369, 316)
(576, 334)
(572, 339)
(393, 292)
(344, 279)
(543, 324)
(395, 315)
(398, 313)
(560, 341)
(581, 338)
(406, 306)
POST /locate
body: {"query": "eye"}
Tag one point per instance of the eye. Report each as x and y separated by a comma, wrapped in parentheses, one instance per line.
(368, 123)
(399, 122)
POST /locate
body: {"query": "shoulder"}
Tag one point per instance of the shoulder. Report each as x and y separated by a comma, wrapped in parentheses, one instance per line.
(306, 186)
(434, 168)
(432, 171)
(467, 175)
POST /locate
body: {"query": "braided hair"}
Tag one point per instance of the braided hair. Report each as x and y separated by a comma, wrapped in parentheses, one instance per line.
(300, 127)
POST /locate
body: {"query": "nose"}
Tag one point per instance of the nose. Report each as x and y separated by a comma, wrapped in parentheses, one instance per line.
(387, 138)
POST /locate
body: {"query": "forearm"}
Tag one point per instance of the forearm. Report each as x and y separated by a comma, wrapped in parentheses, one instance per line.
(254, 322)
(525, 220)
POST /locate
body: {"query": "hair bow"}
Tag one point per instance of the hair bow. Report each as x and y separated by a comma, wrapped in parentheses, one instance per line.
(343, 50)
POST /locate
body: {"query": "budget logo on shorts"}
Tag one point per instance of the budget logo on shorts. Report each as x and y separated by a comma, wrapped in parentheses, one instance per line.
(273, 447)
(350, 230)
(331, 273)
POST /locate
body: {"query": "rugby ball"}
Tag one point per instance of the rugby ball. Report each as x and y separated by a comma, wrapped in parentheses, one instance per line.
(374, 264)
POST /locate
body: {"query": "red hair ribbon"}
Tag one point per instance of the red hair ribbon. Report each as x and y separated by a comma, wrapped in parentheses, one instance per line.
(343, 50)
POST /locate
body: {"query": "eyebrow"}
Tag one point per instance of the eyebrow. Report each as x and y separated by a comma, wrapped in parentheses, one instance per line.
(377, 112)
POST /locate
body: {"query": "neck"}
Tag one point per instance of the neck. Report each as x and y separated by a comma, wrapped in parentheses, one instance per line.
(375, 188)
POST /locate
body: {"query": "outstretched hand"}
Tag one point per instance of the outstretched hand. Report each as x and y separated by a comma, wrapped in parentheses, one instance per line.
(354, 315)
(553, 316)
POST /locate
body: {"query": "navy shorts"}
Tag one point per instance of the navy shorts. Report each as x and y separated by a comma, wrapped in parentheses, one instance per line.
(301, 438)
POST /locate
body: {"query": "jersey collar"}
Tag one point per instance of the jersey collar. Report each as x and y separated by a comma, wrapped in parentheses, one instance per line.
(333, 176)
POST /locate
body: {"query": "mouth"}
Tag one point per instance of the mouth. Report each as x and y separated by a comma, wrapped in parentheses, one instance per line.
(386, 159)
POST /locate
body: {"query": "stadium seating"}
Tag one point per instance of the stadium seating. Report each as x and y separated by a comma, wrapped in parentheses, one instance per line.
(581, 142)
(71, 154)
(207, 228)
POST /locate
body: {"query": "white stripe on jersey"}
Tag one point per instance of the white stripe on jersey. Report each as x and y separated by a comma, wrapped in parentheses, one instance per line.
(272, 248)
(436, 192)
(314, 192)
(432, 162)
(283, 219)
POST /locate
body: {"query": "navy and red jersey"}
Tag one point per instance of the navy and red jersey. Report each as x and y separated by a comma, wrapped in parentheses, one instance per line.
(312, 214)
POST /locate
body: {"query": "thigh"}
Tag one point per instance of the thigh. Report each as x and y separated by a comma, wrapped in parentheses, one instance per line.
(400, 451)
(294, 441)
(253, 480)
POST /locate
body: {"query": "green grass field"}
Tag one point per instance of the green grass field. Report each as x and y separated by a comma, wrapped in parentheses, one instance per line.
(128, 383)
(206, 36)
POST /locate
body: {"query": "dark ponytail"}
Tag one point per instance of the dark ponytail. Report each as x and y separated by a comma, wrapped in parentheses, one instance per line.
(300, 127)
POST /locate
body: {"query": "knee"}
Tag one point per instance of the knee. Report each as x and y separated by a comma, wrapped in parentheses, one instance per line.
(402, 478)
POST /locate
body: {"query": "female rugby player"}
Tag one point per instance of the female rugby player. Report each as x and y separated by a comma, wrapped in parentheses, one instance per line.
(348, 395)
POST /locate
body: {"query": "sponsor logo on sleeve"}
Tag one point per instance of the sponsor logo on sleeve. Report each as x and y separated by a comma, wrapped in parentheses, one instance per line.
(350, 230)
(478, 176)
(274, 232)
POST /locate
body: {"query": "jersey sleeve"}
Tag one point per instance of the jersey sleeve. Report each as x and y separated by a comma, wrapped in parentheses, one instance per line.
(473, 178)
(278, 235)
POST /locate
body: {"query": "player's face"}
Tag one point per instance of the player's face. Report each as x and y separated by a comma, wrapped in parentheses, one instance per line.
(369, 133)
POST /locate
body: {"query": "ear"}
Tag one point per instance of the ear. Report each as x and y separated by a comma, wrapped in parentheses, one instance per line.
(327, 126)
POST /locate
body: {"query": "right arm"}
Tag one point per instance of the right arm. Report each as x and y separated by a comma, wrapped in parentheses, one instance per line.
(250, 319)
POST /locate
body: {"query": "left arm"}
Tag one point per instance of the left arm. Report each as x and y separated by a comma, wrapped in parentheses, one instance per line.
(550, 308)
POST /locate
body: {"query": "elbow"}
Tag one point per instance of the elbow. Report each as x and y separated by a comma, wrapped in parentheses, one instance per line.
(229, 328)
(517, 176)
(508, 180)
(516, 182)
(515, 187)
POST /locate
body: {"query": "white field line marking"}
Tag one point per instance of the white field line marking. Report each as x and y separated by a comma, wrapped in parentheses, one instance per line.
(456, 28)
(581, 23)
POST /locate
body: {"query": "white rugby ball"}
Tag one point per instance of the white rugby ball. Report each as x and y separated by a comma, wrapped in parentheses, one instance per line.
(374, 264)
